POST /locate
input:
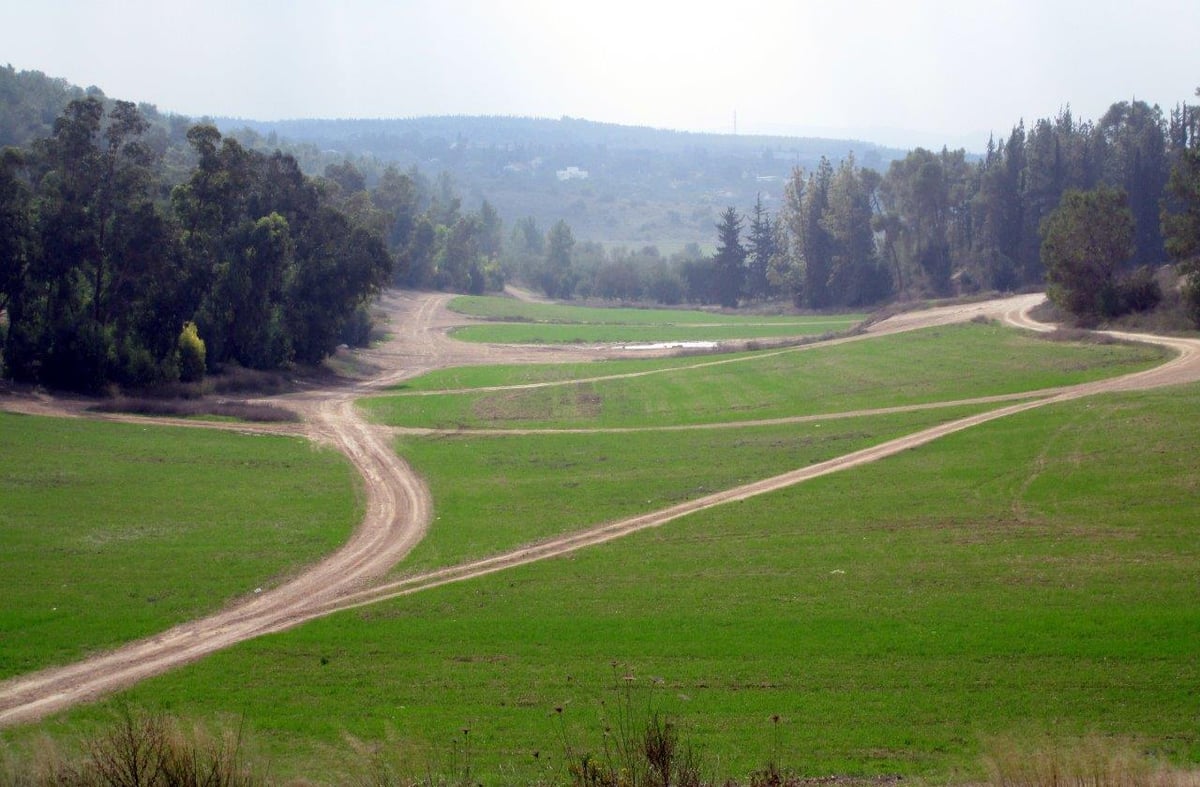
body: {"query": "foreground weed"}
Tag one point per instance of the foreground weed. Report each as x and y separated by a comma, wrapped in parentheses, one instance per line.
(641, 747)
(391, 764)
(139, 750)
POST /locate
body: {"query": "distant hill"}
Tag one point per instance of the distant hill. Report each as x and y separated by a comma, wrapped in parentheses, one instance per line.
(619, 184)
(625, 185)
(29, 103)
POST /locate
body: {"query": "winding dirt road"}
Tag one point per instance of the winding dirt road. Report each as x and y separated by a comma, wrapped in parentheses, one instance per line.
(398, 506)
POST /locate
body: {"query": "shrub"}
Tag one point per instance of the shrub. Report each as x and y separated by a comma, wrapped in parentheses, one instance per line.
(138, 368)
(80, 357)
(192, 354)
(1139, 291)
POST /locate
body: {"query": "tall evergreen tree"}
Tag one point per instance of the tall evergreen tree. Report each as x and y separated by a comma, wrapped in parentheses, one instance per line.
(556, 277)
(761, 247)
(729, 262)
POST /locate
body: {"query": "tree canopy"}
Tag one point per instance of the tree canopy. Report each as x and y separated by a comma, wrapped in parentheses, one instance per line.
(106, 265)
(1084, 241)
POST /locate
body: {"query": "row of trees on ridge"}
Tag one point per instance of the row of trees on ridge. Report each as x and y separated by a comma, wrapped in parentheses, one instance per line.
(938, 223)
(141, 258)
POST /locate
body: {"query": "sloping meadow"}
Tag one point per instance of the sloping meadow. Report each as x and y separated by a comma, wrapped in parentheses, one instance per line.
(933, 365)
(1031, 576)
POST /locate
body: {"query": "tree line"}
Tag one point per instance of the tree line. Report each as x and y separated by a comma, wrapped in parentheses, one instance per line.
(113, 273)
(938, 223)
(140, 250)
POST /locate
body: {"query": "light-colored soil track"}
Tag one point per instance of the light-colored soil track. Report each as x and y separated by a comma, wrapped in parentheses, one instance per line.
(398, 507)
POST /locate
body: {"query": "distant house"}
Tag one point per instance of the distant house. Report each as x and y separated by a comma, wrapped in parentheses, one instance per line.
(572, 173)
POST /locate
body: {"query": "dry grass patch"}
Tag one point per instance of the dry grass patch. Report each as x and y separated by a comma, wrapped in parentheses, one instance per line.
(199, 408)
(1092, 761)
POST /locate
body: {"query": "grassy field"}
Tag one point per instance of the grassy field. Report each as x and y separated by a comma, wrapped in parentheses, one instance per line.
(110, 532)
(525, 323)
(531, 333)
(498, 492)
(512, 310)
(939, 364)
(1035, 576)
(462, 377)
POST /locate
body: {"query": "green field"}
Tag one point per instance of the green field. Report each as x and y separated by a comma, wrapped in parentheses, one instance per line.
(510, 309)
(109, 532)
(463, 377)
(529, 333)
(497, 492)
(939, 364)
(1033, 576)
(514, 321)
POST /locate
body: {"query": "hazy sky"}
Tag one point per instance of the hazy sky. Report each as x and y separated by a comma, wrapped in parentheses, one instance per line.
(894, 72)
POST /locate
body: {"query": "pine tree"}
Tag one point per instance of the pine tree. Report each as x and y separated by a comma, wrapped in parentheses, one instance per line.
(730, 259)
(761, 248)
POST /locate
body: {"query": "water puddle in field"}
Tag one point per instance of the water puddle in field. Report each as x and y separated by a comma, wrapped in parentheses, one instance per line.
(672, 346)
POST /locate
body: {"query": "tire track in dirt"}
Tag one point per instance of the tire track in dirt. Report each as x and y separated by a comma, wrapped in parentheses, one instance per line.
(398, 506)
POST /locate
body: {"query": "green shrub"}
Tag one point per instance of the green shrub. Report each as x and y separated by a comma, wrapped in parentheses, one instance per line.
(137, 367)
(80, 357)
(1139, 291)
(192, 354)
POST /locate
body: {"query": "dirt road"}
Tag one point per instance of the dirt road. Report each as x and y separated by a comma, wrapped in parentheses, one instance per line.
(398, 506)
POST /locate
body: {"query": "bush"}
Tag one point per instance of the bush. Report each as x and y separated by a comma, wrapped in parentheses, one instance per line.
(192, 354)
(1139, 291)
(1191, 297)
(79, 359)
(138, 368)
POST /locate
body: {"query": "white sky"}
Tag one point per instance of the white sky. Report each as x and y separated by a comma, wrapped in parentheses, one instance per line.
(903, 73)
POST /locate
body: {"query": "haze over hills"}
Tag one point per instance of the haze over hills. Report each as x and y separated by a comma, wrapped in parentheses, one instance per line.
(618, 184)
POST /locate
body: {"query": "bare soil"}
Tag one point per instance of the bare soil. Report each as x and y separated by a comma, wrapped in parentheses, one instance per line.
(398, 505)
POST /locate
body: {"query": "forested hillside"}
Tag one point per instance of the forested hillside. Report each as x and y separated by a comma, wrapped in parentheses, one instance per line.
(612, 184)
(134, 241)
(825, 223)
